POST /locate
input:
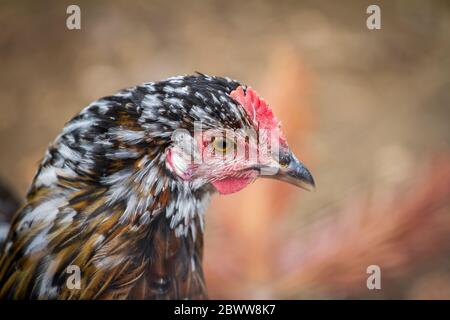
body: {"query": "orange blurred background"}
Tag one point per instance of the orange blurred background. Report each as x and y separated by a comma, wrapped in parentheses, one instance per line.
(367, 110)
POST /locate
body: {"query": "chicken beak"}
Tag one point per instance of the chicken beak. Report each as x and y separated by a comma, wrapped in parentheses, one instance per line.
(291, 170)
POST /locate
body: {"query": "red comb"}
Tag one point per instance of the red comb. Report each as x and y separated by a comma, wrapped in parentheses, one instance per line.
(258, 110)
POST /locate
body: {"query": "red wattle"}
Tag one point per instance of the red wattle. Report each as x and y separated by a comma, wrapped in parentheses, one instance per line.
(231, 185)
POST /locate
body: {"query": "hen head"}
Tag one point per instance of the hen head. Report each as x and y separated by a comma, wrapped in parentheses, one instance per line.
(233, 137)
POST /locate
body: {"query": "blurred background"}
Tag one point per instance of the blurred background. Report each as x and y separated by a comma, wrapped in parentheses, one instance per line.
(367, 110)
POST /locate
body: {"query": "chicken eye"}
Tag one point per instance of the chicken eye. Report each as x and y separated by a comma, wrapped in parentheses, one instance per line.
(222, 144)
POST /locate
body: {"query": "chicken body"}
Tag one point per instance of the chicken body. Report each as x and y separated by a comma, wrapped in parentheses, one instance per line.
(114, 198)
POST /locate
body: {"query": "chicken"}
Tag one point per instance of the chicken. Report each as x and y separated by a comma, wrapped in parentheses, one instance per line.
(121, 193)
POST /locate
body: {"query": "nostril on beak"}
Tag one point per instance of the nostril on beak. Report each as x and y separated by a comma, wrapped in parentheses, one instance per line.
(285, 160)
